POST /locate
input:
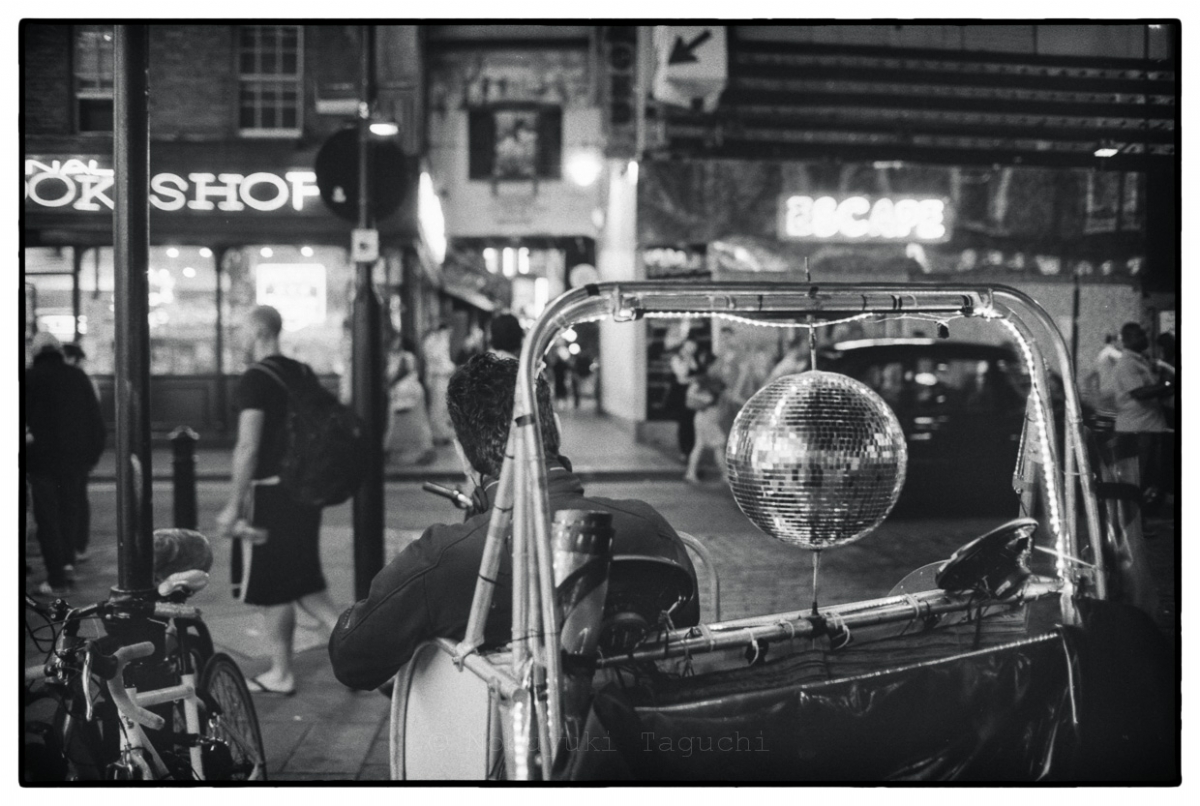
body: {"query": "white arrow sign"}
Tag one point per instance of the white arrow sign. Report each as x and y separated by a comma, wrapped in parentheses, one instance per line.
(692, 64)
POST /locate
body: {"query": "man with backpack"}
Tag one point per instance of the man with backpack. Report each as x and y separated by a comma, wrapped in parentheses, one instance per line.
(276, 558)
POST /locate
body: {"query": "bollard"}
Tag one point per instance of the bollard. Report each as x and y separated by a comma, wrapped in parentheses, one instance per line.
(183, 443)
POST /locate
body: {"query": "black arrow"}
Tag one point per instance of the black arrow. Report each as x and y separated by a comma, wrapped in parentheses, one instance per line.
(683, 53)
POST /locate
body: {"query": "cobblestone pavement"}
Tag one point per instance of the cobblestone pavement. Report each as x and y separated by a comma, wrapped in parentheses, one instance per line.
(327, 732)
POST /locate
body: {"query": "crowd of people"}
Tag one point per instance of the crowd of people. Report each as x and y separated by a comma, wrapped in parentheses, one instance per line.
(708, 390)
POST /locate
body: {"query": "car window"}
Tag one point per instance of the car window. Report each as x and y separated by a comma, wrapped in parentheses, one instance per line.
(929, 384)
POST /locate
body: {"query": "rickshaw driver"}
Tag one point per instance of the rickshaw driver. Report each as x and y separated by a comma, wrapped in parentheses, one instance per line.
(426, 591)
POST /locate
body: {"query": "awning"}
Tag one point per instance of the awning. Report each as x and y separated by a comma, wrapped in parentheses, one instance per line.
(470, 296)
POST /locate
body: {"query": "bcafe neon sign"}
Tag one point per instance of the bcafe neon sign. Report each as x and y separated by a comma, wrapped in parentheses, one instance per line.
(864, 219)
(83, 185)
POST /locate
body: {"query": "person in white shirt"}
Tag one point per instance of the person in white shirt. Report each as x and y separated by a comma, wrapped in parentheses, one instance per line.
(1141, 423)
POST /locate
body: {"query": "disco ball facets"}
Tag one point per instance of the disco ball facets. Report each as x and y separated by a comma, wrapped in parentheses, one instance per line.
(816, 459)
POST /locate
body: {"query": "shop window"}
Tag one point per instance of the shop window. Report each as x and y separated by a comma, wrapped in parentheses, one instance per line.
(269, 80)
(515, 142)
(183, 310)
(48, 288)
(311, 286)
(94, 78)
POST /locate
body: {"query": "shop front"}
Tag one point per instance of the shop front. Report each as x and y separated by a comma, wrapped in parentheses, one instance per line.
(1074, 239)
(231, 227)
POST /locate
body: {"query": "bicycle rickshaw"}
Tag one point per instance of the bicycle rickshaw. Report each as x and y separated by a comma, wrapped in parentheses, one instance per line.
(1018, 659)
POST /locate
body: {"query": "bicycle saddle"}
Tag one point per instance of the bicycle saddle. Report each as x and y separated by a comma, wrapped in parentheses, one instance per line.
(180, 550)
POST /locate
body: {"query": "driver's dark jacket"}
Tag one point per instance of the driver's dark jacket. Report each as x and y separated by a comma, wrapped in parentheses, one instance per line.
(426, 591)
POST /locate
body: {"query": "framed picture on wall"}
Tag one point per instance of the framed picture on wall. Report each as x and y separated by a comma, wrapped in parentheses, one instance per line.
(513, 142)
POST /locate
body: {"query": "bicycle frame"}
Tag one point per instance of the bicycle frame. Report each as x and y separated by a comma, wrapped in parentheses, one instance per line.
(522, 502)
(136, 749)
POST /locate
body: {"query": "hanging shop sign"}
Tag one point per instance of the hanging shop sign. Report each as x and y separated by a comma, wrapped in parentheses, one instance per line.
(864, 219)
(85, 184)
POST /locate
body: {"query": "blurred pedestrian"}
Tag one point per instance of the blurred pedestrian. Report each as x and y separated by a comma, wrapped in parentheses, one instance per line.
(438, 369)
(1098, 384)
(580, 364)
(74, 356)
(1141, 425)
(794, 360)
(409, 439)
(705, 396)
(559, 362)
(507, 336)
(685, 365)
(66, 436)
(284, 571)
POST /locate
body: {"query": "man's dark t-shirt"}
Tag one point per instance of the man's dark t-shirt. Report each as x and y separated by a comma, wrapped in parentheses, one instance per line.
(258, 390)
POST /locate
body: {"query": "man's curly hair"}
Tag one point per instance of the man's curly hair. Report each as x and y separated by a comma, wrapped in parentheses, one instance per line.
(480, 399)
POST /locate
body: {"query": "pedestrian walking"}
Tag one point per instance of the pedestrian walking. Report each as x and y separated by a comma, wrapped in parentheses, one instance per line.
(74, 356)
(284, 571)
(685, 365)
(66, 434)
(794, 360)
(409, 439)
(1139, 388)
(580, 365)
(559, 362)
(438, 369)
(706, 396)
(1098, 384)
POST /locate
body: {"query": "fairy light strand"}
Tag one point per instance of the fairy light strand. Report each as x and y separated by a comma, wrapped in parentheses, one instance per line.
(1050, 470)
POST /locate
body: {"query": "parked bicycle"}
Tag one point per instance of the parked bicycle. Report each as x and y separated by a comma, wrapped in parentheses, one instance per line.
(147, 700)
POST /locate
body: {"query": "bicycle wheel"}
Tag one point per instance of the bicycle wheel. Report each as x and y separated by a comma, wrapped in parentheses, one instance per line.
(232, 722)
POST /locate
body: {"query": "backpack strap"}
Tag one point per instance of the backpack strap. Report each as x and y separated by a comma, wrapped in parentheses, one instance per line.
(274, 374)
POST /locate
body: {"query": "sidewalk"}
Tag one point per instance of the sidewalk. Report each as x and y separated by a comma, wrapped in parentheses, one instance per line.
(599, 447)
(325, 731)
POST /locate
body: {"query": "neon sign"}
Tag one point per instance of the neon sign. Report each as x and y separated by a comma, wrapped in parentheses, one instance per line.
(83, 185)
(864, 219)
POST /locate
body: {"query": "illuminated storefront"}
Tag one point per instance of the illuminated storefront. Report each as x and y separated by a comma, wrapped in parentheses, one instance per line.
(232, 226)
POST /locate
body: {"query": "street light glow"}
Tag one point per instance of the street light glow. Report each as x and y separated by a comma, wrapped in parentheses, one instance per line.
(384, 128)
(584, 167)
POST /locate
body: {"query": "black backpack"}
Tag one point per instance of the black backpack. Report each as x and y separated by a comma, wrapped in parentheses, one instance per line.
(324, 442)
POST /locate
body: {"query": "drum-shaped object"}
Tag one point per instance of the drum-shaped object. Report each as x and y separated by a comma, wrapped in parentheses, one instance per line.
(442, 722)
(816, 459)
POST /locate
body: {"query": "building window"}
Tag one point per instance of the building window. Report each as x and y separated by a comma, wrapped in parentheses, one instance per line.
(515, 142)
(269, 80)
(312, 287)
(94, 78)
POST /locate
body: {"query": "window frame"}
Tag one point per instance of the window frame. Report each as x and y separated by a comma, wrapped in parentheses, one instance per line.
(260, 79)
(81, 94)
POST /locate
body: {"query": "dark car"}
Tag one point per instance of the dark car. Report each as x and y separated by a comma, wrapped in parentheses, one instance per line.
(961, 405)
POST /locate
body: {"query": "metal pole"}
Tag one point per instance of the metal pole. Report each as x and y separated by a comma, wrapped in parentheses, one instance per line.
(183, 477)
(367, 356)
(131, 249)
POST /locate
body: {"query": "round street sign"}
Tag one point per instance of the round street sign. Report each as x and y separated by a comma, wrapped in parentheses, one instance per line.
(337, 175)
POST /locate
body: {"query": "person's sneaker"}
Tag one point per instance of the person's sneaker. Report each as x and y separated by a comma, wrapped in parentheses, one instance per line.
(46, 589)
(69, 572)
(83, 556)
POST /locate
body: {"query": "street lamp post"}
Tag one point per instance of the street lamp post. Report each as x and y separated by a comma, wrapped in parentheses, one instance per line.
(131, 251)
(367, 358)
